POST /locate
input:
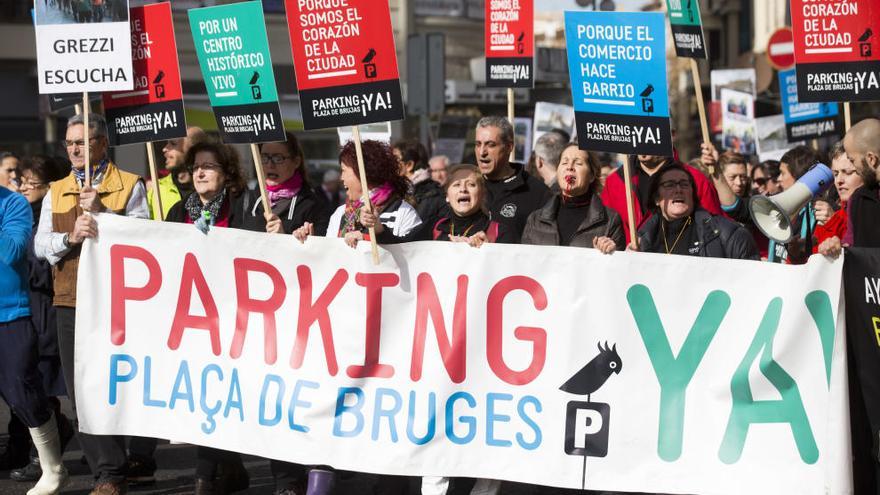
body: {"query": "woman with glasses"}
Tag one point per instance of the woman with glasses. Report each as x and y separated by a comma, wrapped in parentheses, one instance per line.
(36, 174)
(294, 203)
(677, 226)
(216, 202)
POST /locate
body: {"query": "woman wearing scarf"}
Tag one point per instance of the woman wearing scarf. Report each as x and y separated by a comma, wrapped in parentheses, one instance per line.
(216, 202)
(576, 216)
(394, 216)
(677, 226)
(467, 219)
(293, 201)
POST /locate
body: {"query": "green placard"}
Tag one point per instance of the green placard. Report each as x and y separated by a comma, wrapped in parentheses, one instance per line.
(233, 52)
(684, 12)
(687, 28)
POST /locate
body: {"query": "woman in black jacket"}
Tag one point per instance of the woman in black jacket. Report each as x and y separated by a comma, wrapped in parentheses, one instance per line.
(576, 216)
(678, 227)
(216, 202)
(293, 201)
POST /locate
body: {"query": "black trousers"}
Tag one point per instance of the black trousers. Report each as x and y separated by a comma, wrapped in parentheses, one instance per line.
(21, 384)
(105, 453)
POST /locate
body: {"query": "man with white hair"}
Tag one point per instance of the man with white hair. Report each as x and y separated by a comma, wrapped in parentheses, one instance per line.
(438, 165)
(548, 151)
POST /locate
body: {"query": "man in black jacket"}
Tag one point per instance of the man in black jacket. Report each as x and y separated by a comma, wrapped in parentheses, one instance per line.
(513, 193)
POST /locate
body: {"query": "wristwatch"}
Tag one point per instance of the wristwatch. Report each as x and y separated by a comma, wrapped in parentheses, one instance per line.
(66, 239)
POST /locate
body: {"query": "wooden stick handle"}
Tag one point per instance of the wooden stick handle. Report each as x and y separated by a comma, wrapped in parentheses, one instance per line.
(154, 174)
(511, 100)
(86, 142)
(847, 115)
(362, 171)
(701, 105)
(627, 178)
(261, 178)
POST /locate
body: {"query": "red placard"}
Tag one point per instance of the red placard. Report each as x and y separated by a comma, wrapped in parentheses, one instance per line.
(344, 50)
(153, 110)
(154, 59)
(510, 43)
(780, 49)
(837, 49)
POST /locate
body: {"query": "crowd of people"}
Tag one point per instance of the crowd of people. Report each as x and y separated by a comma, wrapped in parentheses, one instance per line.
(565, 196)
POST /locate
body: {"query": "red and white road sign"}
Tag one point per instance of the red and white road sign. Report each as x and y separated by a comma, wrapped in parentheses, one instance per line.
(780, 49)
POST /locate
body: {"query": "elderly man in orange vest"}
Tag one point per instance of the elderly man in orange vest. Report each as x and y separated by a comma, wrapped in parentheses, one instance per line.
(65, 223)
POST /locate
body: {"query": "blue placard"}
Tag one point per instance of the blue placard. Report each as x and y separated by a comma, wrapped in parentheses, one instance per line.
(805, 120)
(617, 65)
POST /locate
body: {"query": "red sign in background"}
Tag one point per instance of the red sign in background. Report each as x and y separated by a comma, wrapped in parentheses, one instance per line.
(780, 49)
(341, 42)
(154, 59)
(837, 49)
(510, 28)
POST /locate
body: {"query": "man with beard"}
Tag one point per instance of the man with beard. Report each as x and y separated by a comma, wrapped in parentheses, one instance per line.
(178, 183)
(513, 192)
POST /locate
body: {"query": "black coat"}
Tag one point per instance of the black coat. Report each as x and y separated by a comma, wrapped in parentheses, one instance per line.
(512, 200)
(430, 201)
(294, 212)
(718, 237)
(178, 213)
(543, 230)
(864, 216)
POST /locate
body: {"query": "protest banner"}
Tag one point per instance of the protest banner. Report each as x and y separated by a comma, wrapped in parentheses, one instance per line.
(772, 141)
(510, 43)
(83, 47)
(378, 131)
(233, 53)
(153, 111)
(837, 50)
(345, 62)
(617, 63)
(805, 120)
(738, 121)
(505, 362)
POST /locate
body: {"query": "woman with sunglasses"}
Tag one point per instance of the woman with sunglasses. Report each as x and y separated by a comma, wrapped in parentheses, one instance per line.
(293, 201)
(678, 226)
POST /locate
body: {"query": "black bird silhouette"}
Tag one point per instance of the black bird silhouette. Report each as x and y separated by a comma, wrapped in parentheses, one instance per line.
(255, 77)
(521, 36)
(647, 91)
(369, 56)
(690, 12)
(867, 34)
(592, 376)
(159, 77)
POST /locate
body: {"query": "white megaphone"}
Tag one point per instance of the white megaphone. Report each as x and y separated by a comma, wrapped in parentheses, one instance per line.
(772, 214)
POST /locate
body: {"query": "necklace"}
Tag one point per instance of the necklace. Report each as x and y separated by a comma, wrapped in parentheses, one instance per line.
(452, 230)
(678, 238)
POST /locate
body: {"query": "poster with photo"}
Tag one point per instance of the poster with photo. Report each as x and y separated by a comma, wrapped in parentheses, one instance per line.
(552, 116)
(772, 141)
(738, 121)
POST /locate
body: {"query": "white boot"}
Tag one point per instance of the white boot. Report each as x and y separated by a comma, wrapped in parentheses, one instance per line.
(48, 446)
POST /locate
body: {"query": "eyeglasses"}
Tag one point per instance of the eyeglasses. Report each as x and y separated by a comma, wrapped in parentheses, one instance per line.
(277, 159)
(80, 143)
(673, 184)
(760, 182)
(32, 184)
(208, 166)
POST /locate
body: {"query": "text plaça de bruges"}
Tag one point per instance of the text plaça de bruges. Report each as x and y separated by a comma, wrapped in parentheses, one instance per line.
(673, 375)
(153, 122)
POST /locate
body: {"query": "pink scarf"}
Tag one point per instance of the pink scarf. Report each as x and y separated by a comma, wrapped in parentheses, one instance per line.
(287, 189)
(378, 196)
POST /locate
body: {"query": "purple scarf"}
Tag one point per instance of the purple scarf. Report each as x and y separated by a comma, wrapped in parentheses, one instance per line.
(287, 189)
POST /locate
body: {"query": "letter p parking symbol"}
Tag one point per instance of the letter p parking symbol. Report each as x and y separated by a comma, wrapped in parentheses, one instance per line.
(586, 429)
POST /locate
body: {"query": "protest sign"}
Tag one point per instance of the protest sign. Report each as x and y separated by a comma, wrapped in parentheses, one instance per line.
(522, 139)
(233, 53)
(837, 50)
(617, 64)
(83, 47)
(378, 131)
(60, 101)
(154, 110)
(550, 116)
(805, 120)
(738, 121)
(687, 28)
(772, 141)
(345, 62)
(510, 43)
(744, 80)
(505, 362)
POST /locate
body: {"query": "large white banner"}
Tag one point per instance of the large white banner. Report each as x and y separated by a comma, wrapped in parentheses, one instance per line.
(553, 366)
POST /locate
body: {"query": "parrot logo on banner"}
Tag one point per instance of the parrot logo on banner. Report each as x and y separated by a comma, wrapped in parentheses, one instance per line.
(369, 67)
(587, 423)
(864, 44)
